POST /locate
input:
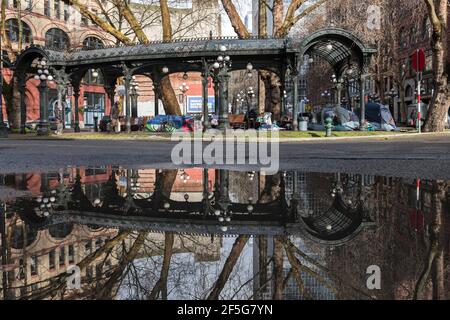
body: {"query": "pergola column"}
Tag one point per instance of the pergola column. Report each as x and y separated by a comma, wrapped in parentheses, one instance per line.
(216, 96)
(23, 107)
(295, 102)
(339, 88)
(127, 104)
(43, 126)
(61, 89)
(205, 75)
(362, 99)
(224, 79)
(155, 91)
(76, 95)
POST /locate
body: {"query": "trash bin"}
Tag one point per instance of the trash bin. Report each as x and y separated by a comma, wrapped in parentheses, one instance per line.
(303, 124)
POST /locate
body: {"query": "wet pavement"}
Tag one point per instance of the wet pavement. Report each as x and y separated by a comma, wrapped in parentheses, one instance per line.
(122, 232)
(426, 156)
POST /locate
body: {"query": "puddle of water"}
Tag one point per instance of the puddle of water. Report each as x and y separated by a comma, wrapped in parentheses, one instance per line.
(117, 233)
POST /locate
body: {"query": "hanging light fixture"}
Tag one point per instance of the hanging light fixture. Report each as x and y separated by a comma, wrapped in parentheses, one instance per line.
(165, 69)
(329, 46)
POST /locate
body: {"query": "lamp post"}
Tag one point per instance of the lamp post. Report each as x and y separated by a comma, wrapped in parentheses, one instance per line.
(222, 68)
(43, 75)
(134, 94)
(184, 88)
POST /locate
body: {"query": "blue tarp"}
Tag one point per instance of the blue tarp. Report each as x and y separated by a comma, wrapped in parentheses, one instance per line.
(176, 121)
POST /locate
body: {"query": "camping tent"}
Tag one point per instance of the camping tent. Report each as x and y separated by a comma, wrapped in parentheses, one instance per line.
(380, 117)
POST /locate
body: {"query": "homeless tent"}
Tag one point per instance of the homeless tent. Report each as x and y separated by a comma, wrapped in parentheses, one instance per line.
(380, 117)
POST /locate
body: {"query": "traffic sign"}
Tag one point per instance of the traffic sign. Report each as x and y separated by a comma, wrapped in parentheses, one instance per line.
(418, 60)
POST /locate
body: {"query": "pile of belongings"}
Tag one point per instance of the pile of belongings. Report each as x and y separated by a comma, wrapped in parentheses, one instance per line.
(265, 121)
(170, 123)
(379, 117)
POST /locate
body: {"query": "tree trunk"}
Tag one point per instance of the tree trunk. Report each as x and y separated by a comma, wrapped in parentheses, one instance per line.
(236, 22)
(272, 91)
(169, 98)
(437, 11)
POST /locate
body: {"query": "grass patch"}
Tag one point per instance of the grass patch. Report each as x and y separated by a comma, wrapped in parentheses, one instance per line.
(147, 136)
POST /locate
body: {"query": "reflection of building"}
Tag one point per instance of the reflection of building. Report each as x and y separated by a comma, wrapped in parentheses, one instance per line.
(47, 253)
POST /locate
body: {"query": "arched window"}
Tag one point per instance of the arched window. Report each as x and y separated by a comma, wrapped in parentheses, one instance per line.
(93, 43)
(12, 31)
(57, 39)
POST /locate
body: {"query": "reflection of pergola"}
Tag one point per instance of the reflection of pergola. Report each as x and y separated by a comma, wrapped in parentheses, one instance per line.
(159, 59)
(335, 225)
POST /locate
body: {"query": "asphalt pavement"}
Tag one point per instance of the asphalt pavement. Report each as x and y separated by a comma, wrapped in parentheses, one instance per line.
(427, 157)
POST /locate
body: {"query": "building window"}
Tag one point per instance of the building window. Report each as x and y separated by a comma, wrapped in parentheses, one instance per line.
(21, 269)
(71, 250)
(29, 5)
(88, 247)
(84, 21)
(93, 43)
(51, 259)
(89, 273)
(47, 10)
(62, 255)
(98, 243)
(66, 10)
(57, 39)
(34, 265)
(12, 31)
(57, 9)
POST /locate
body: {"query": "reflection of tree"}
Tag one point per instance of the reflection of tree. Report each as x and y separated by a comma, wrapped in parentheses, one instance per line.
(160, 287)
(235, 252)
(434, 263)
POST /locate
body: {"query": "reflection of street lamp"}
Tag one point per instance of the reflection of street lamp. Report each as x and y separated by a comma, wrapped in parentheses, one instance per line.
(42, 75)
(46, 204)
(184, 176)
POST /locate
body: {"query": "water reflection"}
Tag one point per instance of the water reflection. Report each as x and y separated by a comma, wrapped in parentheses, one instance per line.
(210, 234)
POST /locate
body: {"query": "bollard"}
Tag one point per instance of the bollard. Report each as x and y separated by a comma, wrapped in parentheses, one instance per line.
(328, 126)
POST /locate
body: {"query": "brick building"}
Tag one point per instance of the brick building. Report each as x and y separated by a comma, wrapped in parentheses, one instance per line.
(57, 24)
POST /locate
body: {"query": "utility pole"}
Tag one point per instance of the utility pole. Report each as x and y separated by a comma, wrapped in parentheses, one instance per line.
(3, 128)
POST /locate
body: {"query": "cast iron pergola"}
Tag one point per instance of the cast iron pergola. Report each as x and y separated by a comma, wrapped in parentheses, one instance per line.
(160, 59)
